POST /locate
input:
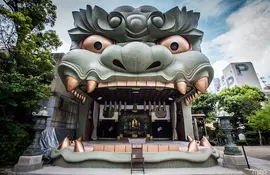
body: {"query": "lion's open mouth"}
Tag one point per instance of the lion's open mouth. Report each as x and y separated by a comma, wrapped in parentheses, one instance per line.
(131, 92)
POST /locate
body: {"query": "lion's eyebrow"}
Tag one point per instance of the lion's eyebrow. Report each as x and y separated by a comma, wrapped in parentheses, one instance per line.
(114, 25)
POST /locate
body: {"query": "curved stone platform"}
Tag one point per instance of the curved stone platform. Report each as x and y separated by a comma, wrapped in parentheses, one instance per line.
(100, 159)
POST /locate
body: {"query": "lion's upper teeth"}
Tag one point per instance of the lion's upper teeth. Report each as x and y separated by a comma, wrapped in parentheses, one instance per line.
(202, 84)
(72, 83)
(181, 87)
(91, 85)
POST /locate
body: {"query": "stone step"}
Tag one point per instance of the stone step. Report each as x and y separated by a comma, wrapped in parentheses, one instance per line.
(54, 170)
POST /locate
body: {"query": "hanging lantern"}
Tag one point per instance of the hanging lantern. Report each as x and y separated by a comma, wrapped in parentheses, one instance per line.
(134, 109)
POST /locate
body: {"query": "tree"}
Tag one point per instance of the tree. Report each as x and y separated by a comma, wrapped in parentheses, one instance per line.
(205, 104)
(242, 101)
(26, 69)
(26, 63)
(260, 121)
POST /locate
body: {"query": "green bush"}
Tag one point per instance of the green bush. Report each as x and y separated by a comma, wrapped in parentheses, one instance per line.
(252, 138)
(14, 139)
(241, 142)
(251, 134)
(220, 134)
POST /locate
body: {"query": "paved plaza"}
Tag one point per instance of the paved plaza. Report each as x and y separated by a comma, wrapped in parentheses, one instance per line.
(164, 171)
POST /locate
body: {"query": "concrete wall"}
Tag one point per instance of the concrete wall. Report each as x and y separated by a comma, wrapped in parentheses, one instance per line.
(68, 114)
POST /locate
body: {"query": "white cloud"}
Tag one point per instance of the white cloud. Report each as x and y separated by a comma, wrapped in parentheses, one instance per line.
(207, 47)
(219, 66)
(248, 38)
(205, 7)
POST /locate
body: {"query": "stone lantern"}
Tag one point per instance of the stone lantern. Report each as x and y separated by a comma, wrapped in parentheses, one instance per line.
(226, 127)
(40, 119)
(32, 156)
(233, 157)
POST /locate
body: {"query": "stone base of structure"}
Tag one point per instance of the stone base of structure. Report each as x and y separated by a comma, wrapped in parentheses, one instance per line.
(28, 163)
(236, 162)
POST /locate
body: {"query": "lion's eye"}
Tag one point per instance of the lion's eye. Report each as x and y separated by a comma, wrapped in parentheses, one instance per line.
(175, 43)
(96, 43)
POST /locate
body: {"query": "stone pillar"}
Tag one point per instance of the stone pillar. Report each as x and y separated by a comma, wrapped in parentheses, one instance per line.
(205, 129)
(95, 120)
(186, 110)
(174, 120)
(82, 119)
(32, 156)
(196, 129)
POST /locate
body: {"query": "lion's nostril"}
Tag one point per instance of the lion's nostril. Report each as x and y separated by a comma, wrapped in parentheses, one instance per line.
(154, 64)
(118, 64)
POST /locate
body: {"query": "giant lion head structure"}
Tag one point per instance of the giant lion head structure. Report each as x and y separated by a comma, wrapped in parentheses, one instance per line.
(136, 47)
(132, 58)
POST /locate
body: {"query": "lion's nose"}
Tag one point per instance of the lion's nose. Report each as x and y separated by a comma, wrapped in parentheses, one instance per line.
(136, 57)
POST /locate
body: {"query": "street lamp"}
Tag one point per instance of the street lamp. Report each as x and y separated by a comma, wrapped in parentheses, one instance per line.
(226, 127)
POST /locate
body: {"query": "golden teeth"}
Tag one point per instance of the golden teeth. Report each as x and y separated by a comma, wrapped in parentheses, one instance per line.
(205, 142)
(181, 87)
(202, 84)
(189, 138)
(91, 85)
(80, 138)
(192, 146)
(66, 142)
(78, 146)
(72, 83)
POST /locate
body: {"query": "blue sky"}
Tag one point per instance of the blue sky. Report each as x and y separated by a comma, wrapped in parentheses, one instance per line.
(234, 30)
